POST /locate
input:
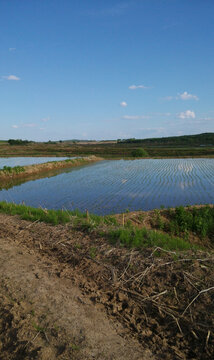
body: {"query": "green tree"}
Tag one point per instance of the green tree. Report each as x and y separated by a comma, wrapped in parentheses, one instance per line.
(140, 152)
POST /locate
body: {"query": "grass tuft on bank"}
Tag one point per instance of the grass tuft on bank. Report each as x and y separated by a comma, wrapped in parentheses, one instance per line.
(143, 238)
(12, 170)
(54, 217)
(183, 221)
(199, 220)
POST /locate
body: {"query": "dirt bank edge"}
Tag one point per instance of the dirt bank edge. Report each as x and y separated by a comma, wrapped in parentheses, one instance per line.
(36, 169)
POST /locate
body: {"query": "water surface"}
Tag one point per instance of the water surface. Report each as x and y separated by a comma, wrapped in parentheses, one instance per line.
(117, 185)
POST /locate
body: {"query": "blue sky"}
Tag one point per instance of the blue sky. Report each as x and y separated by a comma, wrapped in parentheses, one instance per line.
(95, 69)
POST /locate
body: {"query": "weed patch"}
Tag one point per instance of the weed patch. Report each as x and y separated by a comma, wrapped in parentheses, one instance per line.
(141, 238)
(12, 170)
(197, 220)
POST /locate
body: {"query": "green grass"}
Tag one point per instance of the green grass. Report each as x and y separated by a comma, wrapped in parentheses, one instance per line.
(11, 170)
(55, 217)
(143, 238)
(107, 226)
(196, 220)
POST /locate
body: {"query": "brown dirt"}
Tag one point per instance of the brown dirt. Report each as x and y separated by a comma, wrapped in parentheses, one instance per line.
(69, 295)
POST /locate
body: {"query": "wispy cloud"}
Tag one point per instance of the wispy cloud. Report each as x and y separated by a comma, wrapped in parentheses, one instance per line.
(28, 125)
(12, 49)
(204, 121)
(158, 114)
(154, 129)
(123, 104)
(188, 114)
(46, 119)
(168, 98)
(31, 125)
(184, 96)
(134, 87)
(37, 126)
(207, 119)
(136, 117)
(11, 77)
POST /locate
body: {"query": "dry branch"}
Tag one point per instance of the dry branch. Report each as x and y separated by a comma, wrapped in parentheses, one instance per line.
(201, 292)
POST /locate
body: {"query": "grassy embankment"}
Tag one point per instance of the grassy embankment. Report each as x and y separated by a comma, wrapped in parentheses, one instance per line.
(173, 234)
(26, 171)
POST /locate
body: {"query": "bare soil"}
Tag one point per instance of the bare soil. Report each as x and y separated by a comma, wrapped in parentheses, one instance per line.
(66, 294)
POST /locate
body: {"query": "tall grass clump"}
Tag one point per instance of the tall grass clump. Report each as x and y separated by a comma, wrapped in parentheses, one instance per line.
(197, 220)
(141, 238)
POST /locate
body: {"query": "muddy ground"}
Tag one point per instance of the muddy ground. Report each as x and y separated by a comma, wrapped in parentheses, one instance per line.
(67, 294)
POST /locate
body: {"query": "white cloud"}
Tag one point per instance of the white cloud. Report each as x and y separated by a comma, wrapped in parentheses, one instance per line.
(135, 117)
(12, 49)
(123, 104)
(188, 114)
(30, 125)
(134, 87)
(186, 96)
(11, 77)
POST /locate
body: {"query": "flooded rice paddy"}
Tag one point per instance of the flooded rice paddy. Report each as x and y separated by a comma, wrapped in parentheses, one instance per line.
(115, 186)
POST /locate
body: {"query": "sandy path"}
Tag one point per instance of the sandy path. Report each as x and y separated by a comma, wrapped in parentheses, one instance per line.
(43, 316)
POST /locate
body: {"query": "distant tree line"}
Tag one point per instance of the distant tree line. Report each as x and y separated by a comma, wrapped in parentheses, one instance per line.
(206, 139)
(18, 142)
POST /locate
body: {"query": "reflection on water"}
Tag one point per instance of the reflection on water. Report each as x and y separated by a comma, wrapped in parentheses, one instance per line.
(114, 186)
(186, 168)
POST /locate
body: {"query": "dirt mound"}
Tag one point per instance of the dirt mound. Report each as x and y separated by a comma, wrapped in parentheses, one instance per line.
(138, 300)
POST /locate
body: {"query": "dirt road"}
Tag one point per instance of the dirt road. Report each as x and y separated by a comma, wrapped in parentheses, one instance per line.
(43, 316)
